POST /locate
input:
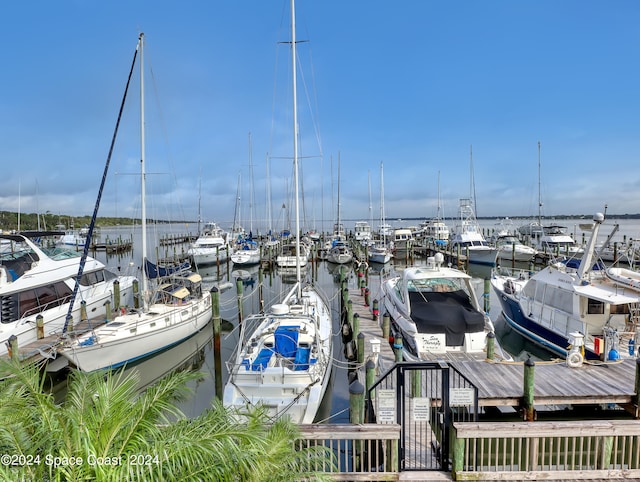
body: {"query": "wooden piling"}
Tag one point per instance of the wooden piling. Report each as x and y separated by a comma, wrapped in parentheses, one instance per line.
(217, 330)
(528, 397)
(355, 323)
(386, 326)
(397, 347)
(370, 379)
(116, 295)
(487, 295)
(491, 345)
(136, 294)
(356, 414)
(13, 348)
(40, 326)
(69, 323)
(239, 296)
(83, 311)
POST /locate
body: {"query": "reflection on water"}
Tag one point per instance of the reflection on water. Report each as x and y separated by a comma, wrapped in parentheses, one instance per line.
(188, 355)
(519, 347)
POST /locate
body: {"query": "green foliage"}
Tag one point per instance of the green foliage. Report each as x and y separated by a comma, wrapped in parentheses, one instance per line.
(49, 221)
(106, 431)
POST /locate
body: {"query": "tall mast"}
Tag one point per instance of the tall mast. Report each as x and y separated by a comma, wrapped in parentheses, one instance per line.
(338, 226)
(370, 206)
(251, 185)
(142, 173)
(539, 195)
(269, 214)
(383, 227)
(472, 187)
(295, 142)
(438, 212)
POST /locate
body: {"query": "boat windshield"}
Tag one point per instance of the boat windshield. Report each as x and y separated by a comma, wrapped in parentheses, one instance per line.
(442, 285)
(59, 253)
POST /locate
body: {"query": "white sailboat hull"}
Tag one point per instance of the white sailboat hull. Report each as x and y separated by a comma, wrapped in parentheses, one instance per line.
(126, 340)
(246, 257)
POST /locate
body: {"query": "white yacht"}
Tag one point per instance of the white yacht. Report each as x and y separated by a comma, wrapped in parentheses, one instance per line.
(39, 281)
(211, 246)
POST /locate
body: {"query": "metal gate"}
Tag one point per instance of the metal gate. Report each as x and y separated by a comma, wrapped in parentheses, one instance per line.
(425, 398)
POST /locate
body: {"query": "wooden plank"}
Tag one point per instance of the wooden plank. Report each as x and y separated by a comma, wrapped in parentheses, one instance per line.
(577, 428)
(350, 431)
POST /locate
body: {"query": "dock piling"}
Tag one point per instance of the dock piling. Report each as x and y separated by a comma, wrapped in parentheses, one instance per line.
(40, 326)
(528, 398)
(491, 345)
(116, 295)
(217, 352)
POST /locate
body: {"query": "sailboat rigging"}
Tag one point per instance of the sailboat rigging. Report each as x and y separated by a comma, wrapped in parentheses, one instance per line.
(283, 357)
(379, 252)
(173, 312)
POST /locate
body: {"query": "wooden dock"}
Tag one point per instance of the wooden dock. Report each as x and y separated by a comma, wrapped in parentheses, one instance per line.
(500, 383)
(113, 247)
(171, 239)
(44, 349)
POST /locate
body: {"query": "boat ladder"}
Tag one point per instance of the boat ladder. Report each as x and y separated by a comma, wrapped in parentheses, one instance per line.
(634, 318)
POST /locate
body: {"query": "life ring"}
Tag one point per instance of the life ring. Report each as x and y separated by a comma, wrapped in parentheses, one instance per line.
(575, 359)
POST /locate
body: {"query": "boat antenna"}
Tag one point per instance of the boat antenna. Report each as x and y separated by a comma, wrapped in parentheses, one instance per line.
(92, 224)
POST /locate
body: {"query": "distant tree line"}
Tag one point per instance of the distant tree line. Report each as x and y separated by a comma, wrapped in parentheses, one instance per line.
(49, 221)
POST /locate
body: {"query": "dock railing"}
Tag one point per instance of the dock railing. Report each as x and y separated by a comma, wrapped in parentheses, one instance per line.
(360, 452)
(604, 449)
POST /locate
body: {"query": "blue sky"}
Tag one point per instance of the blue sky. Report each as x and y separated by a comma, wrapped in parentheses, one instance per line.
(417, 85)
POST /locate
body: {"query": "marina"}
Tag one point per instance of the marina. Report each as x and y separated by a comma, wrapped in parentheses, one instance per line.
(607, 389)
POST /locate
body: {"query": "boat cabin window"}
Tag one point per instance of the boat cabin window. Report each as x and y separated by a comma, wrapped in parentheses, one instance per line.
(556, 298)
(92, 278)
(595, 307)
(33, 301)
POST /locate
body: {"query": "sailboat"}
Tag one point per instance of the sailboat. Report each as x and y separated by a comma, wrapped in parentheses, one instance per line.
(339, 251)
(174, 311)
(380, 252)
(247, 251)
(283, 359)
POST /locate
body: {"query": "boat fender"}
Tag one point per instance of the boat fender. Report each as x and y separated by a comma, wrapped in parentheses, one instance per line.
(574, 359)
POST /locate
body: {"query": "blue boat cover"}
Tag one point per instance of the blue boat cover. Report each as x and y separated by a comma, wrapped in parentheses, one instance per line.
(301, 361)
(286, 338)
(262, 360)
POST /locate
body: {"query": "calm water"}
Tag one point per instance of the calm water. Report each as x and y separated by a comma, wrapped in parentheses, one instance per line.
(198, 353)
